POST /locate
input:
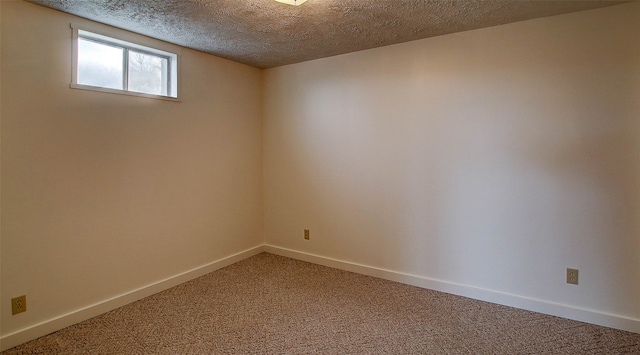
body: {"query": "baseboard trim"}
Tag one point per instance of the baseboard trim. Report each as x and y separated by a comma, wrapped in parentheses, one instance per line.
(49, 326)
(561, 310)
(526, 303)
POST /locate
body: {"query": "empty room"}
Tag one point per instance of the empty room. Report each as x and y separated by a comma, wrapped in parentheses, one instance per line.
(319, 176)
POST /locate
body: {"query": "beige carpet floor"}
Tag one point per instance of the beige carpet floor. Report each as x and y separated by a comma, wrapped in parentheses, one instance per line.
(269, 304)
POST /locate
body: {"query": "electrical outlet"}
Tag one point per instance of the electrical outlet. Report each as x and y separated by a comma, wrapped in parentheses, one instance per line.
(572, 276)
(306, 234)
(18, 304)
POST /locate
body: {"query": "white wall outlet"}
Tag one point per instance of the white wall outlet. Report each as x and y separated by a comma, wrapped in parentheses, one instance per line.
(572, 276)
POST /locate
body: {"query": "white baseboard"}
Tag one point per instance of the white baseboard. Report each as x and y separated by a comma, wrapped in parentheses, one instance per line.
(526, 303)
(531, 304)
(49, 326)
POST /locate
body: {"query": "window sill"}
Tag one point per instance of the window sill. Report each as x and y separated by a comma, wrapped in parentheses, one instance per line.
(123, 92)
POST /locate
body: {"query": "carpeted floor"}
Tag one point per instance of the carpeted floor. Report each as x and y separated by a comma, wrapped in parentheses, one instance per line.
(269, 304)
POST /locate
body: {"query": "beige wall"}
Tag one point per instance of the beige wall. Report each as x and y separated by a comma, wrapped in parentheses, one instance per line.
(486, 161)
(104, 194)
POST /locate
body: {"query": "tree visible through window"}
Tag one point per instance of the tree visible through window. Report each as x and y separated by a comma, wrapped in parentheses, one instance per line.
(147, 73)
(109, 63)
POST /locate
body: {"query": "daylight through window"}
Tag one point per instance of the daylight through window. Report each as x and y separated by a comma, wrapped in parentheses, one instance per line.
(112, 64)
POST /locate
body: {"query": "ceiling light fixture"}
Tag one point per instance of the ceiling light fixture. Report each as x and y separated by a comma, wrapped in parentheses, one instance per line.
(292, 2)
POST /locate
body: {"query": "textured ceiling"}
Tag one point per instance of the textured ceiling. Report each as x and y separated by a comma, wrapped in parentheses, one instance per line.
(265, 33)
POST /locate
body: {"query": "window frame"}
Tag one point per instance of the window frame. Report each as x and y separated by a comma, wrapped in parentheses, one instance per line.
(110, 39)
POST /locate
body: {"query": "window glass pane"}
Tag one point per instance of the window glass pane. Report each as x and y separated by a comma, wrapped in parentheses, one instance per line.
(99, 64)
(147, 73)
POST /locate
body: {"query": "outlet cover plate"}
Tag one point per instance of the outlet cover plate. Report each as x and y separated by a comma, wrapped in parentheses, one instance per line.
(18, 304)
(572, 276)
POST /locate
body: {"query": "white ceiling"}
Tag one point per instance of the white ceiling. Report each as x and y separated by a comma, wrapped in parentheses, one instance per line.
(266, 33)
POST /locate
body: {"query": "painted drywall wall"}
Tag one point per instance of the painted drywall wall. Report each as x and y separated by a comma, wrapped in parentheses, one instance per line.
(103, 194)
(491, 159)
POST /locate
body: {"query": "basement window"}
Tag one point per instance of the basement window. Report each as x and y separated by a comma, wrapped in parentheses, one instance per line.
(112, 65)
